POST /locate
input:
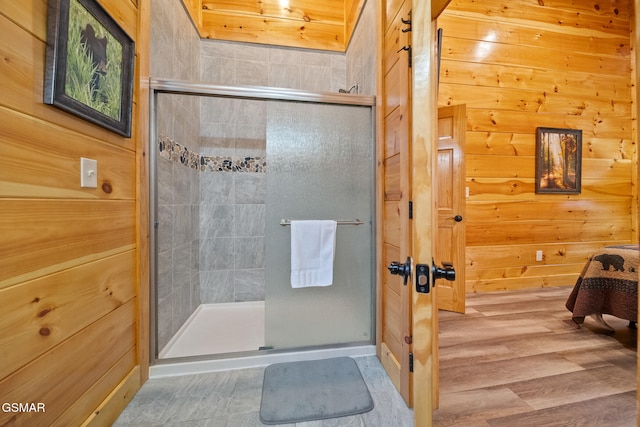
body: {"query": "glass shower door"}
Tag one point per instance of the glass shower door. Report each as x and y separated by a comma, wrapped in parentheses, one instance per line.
(319, 166)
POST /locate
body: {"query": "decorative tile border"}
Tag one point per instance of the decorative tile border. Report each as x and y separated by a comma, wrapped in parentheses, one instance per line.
(232, 164)
(170, 150)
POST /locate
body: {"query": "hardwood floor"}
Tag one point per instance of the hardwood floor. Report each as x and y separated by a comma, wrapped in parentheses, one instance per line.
(516, 359)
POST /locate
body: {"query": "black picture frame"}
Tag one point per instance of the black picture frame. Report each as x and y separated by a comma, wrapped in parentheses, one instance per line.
(89, 65)
(558, 160)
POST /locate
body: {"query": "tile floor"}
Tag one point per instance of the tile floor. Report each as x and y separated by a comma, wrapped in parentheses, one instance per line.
(232, 399)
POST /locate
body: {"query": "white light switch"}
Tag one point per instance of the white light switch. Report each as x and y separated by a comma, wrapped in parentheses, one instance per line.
(88, 173)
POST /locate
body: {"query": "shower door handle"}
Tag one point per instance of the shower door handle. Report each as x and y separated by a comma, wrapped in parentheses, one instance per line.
(401, 269)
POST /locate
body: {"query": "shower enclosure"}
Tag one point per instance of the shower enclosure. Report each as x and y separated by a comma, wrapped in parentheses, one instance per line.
(261, 157)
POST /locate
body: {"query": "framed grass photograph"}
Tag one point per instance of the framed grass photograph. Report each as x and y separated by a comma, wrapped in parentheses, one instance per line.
(89, 64)
(558, 160)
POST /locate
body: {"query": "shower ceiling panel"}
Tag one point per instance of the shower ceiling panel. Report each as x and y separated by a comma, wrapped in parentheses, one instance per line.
(325, 25)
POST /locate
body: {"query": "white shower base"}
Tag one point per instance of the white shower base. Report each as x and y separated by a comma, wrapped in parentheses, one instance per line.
(219, 328)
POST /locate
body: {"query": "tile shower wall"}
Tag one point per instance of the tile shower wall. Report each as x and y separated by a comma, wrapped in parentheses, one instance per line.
(232, 261)
(361, 54)
(175, 54)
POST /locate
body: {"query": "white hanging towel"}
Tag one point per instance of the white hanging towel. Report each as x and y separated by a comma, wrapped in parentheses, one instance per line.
(313, 247)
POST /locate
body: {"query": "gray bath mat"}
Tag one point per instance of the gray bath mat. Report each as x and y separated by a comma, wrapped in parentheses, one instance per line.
(313, 390)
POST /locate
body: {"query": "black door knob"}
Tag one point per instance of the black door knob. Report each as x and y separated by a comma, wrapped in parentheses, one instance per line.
(457, 218)
(401, 269)
(446, 272)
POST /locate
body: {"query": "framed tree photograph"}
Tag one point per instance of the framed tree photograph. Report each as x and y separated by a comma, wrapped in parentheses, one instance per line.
(558, 160)
(89, 64)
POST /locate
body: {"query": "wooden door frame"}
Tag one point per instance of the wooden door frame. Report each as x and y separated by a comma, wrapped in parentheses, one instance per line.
(635, 96)
(423, 158)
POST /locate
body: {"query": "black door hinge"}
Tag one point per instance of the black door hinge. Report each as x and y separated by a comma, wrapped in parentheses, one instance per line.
(410, 209)
(410, 362)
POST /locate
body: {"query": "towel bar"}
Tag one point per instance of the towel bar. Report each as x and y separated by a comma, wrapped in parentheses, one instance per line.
(356, 221)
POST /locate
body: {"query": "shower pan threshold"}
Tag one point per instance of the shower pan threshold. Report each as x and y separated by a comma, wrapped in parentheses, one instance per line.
(219, 328)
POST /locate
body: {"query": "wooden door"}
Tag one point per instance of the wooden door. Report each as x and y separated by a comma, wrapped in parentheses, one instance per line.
(450, 203)
(394, 235)
(406, 158)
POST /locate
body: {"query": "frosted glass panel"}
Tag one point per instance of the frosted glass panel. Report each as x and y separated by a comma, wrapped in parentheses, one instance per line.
(319, 166)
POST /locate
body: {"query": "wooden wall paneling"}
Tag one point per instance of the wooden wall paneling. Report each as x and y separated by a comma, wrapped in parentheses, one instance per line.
(22, 71)
(613, 148)
(512, 232)
(112, 406)
(393, 133)
(489, 257)
(392, 178)
(68, 375)
(194, 8)
(534, 57)
(505, 284)
(506, 143)
(533, 101)
(551, 81)
(110, 387)
(326, 25)
(40, 314)
(471, 26)
(56, 174)
(393, 42)
(73, 259)
(526, 272)
(257, 29)
(483, 189)
(548, 81)
(548, 210)
(524, 122)
(306, 24)
(39, 237)
(31, 16)
(573, 17)
(392, 317)
(125, 13)
(352, 11)
(437, 6)
(392, 216)
(330, 11)
(529, 65)
(499, 166)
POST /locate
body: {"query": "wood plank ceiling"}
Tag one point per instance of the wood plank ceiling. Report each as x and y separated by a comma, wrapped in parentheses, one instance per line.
(325, 25)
